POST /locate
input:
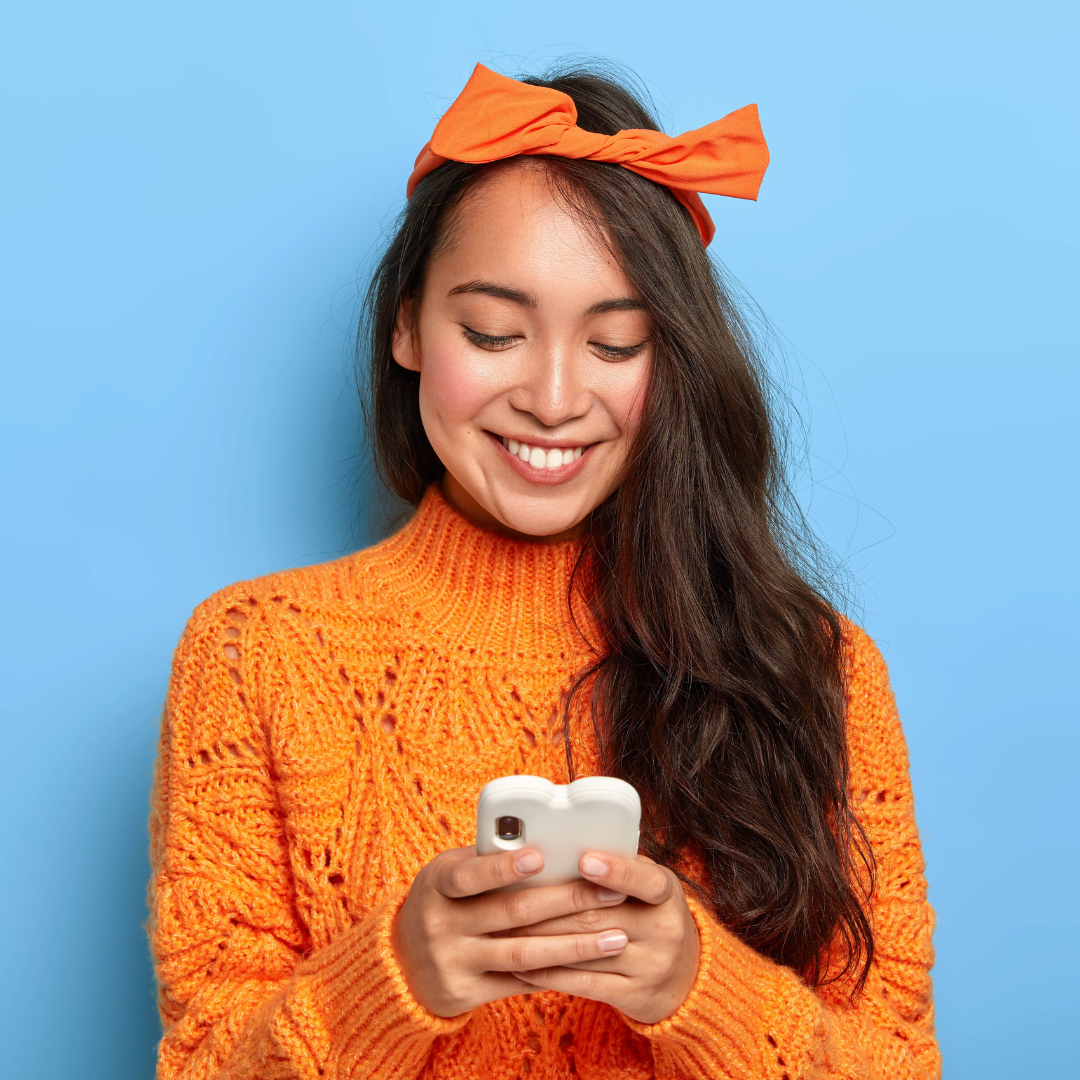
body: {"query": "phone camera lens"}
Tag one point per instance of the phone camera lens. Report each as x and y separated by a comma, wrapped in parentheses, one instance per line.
(508, 828)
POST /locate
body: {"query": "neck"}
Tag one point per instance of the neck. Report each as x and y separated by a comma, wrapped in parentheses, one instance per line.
(483, 592)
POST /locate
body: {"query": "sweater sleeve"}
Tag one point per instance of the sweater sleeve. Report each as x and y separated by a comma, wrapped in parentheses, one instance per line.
(751, 1018)
(241, 992)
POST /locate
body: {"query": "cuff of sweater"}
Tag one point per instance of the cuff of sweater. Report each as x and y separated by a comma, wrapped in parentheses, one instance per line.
(352, 1005)
(724, 1027)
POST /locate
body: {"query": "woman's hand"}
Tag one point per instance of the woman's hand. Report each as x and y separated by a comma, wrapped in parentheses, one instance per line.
(453, 943)
(651, 977)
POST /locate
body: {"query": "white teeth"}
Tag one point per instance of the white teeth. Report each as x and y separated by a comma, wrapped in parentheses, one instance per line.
(540, 458)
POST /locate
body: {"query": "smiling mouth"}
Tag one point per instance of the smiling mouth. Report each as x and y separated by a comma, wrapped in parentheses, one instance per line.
(540, 457)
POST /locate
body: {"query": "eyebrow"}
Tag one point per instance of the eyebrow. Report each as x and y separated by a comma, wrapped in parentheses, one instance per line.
(489, 288)
(623, 303)
(517, 296)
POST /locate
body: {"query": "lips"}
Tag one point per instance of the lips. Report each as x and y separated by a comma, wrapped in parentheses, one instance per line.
(540, 457)
(548, 469)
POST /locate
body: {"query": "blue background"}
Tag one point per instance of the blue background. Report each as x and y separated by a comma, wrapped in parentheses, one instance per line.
(191, 193)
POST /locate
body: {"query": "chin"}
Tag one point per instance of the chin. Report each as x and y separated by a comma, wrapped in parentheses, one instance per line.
(541, 528)
(538, 522)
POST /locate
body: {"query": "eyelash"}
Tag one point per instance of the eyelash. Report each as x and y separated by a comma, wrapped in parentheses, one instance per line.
(614, 352)
(620, 352)
(486, 341)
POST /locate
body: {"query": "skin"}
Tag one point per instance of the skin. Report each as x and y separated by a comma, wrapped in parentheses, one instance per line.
(560, 359)
(528, 329)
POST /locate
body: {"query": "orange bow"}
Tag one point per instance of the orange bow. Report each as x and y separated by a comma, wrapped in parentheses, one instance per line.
(495, 117)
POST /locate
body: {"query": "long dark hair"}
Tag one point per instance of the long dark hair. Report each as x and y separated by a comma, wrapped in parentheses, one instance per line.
(718, 689)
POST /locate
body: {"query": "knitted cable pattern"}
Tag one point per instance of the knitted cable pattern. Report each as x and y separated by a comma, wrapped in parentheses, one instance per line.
(327, 732)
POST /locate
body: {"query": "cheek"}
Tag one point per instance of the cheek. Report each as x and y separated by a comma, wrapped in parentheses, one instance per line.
(627, 395)
(453, 388)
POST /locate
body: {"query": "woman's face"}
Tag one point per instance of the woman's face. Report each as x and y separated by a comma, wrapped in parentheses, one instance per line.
(534, 354)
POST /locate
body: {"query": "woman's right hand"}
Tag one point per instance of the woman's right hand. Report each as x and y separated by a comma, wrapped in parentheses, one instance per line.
(447, 934)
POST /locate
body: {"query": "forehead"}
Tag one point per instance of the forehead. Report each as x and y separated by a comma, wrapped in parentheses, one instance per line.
(516, 221)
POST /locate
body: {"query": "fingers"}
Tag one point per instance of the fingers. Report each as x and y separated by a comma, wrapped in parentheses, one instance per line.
(462, 872)
(597, 985)
(516, 955)
(633, 918)
(503, 984)
(511, 911)
(640, 877)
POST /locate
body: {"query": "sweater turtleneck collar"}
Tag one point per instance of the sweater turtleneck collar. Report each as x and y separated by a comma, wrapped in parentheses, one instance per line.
(487, 592)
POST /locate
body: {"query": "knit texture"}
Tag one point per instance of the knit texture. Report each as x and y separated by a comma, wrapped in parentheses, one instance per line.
(327, 733)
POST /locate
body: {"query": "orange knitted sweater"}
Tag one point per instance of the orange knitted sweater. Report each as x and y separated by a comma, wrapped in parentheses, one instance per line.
(327, 733)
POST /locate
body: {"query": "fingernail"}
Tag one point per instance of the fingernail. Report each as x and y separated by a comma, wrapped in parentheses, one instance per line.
(528, 863)
(593, 866)
(611, 941)
(609, 894)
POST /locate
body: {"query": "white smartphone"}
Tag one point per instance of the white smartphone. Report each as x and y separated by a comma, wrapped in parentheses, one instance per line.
(561, 821)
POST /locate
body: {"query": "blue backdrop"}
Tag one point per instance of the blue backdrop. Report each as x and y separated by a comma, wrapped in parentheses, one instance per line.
(190, 195)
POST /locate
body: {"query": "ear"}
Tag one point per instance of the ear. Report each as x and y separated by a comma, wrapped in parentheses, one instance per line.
(406, 344)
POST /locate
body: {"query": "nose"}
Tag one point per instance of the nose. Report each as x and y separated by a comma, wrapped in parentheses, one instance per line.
(551, 386)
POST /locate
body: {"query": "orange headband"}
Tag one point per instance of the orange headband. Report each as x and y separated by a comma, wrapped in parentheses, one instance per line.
(495, 117)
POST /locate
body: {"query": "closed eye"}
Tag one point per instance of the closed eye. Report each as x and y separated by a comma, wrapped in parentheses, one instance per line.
(488, 341)
(502, 341)
(619, 352)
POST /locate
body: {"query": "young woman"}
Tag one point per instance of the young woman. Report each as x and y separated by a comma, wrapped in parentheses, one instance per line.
(598, 579)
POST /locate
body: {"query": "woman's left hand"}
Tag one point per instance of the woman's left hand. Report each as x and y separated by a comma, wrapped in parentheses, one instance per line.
(651, 977)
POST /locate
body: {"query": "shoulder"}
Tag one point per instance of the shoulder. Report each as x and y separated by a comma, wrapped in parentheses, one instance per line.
(876, 741)
(866, 671)
(352, 580)
(236, 642)
(239, 632)
(879, 782)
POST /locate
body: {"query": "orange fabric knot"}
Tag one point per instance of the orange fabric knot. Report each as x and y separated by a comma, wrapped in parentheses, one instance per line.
(495, 117)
